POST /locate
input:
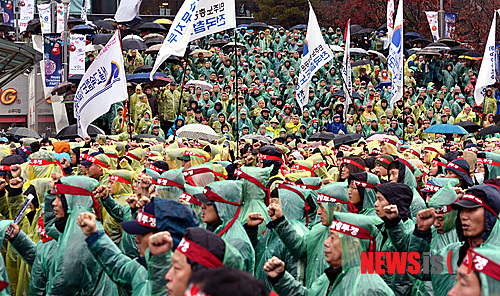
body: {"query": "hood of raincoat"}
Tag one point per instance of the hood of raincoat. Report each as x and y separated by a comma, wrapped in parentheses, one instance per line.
(171, 192)
(491, 170)
(42, 171)
(123, 188)
(397, 194)
(292, 205)
(367, 195)
(486, 267)
(231, 191)
(336, 190)
(440, 202)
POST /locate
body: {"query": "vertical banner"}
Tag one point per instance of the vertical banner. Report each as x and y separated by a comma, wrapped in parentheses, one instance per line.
(77, 54)
(45, 17)
(486, 76)
(52, 47)
(60, 17)
(450, 24)
(390, 18)
(497, 62)
(433, 19)
(346, 71)
(395, 61)
(32, 99)
(27, 14)
(83, 15)
(8, 12)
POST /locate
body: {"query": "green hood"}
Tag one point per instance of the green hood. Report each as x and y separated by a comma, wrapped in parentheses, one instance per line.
(291, 203)
(336, 190)
(171, 192)
(231, 191)
(79, 201)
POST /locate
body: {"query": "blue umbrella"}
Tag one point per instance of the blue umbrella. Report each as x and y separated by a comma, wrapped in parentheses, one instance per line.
(299, 27)
(413, 35)
(446, 129)
(386, 84)
(144, 77)
(82, 29)
(75, 78)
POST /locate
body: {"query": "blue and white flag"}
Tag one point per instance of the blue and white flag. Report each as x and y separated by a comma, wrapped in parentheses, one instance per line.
(346, 70)
(396, 57)
(103, 84)
(195, 19)
(316, 53)
(486, 74)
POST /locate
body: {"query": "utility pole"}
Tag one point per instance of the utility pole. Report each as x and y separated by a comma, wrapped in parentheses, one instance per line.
(65, 40)
(441, 19)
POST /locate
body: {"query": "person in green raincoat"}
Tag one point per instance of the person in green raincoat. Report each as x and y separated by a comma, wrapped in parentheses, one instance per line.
(343, 253)
(332, 197)
(478, 209)
(291, 203)
(221, 207)
(4, 224)
(361, 192)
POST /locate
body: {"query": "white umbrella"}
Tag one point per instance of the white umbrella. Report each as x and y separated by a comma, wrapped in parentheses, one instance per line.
(336, 48)
(198, 131)
(358, 52)
(153, 35)
(132, 37)
(382, 57)
(93, 47)
(205, 86)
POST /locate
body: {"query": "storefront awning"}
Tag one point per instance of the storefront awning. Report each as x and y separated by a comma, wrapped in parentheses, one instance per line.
(15, 59)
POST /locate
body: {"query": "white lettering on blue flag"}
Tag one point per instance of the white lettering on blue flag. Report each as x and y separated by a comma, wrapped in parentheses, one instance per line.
(486, 74)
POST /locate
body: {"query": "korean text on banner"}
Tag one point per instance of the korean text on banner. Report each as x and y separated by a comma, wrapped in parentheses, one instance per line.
(316, 53)
(346, 71)
(103, 84)
(395, 60)
(486, 75)
(77, 54)
(433, 19)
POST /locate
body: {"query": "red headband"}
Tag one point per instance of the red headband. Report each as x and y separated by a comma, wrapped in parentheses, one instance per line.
(156, 169)
(438, 163)
(479, 201)
(212, 196)
(189, 173)
(456, 167)
(389, 141)
(4, 167)
(482, 264)
(143, 174)
(319, 165)
(384, 160)
(413, 152)
(354, 231)
(198, 254)
(407, 164)
(327, 198)
(25, 150)
(111, 155)
(301, 167)
(431, 188)
(363, 184)
(128, 154)
(191, 153)
(344, 148)
(444, 209)
(146, 219)
(432, 149)
(303, 186)
(241, 174)
(41, 230)
(170, 183)
(120, 180)
(74, 190)
(269, 157)
(352, 162)
(189, 198)
(150, 154)
(488, 161)
(93, 160)
(46, 162)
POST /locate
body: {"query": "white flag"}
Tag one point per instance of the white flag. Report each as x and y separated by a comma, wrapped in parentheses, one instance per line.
(45, 18)
(346, 70)
(103, 84)
(195, 19)
(60, 17)
(127, 10)
(396, 58)
(486, 74)
(316, 53)
(390, 18)
(433, 19)
(83, 14)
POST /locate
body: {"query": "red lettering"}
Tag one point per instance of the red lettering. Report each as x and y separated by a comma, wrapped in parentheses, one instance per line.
(396, 262)
(379, 262)
(414, 266)
(367, 262)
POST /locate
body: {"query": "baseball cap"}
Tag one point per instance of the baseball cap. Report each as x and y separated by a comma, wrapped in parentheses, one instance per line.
(145, 221)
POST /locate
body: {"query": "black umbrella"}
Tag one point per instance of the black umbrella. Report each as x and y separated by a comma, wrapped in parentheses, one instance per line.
(472, 55)
(129, 44)
(365, 31)
(346, 139)
(153, 27)
(449, 42)
(437, 46)
(413, 35)
(219, 42)
(355, 29)
(71, 132)
(153, 41)
(424, 41)
(361, 63)
(104, 25)
(147, 136)
(299, 27)
(34, 26)
(101, 38)
(143, 69)
(75, 21)
(469, 126)
(257, 25)
(340, 93)
(82, 29)
(489, 130)
(321, 136)
(6, 27)
(23, 132)
(458, 50)
(61, 88)
(75, 78)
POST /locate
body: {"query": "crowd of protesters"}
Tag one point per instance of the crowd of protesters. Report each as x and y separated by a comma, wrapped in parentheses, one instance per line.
(281, 214)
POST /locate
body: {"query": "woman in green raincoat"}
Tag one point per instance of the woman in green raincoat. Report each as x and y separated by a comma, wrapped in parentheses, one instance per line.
(221, 207)
(361, 192)
(343, 253)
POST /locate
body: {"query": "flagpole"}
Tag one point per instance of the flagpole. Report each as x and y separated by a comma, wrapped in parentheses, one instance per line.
(236, 93)
(182, 85)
